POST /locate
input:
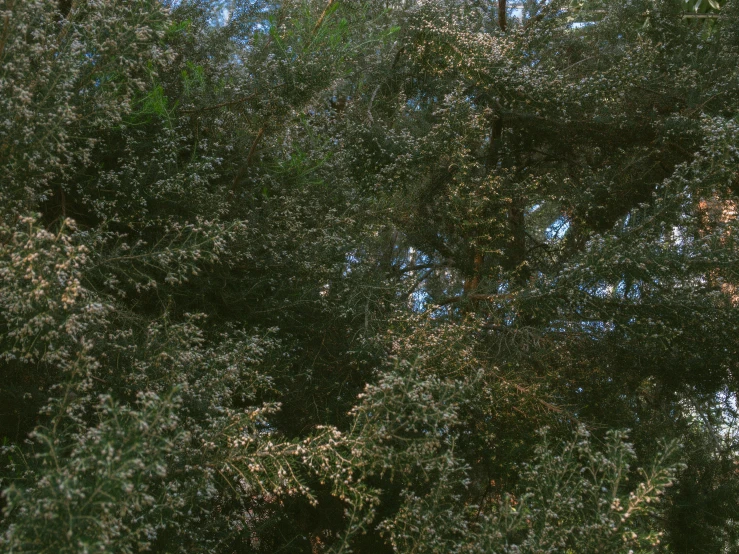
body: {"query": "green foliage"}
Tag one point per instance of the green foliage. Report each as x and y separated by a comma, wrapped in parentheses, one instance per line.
(106, 489)
(309, 276)
(578, 498)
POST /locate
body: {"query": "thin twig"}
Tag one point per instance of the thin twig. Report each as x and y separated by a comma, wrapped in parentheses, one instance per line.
(6, 31)
(221, 105)
(254, 144)
(417, 283)
(483, 297)
(369, 108)
(323, 16)
(249, 157)
(409, 268)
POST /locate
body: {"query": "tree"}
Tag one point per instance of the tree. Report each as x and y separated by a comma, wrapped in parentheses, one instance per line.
(310, 276)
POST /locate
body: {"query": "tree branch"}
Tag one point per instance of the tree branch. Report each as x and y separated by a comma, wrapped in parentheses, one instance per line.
(221, 105)
(477, 297)
(323, 16)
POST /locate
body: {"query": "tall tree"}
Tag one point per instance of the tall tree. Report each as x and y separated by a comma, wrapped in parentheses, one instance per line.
(312, 275)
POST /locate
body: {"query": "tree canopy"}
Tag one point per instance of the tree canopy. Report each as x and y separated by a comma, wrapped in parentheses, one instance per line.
(369, 276)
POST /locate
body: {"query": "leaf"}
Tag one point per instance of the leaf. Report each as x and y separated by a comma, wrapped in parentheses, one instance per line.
(714, 4)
